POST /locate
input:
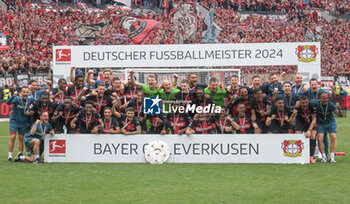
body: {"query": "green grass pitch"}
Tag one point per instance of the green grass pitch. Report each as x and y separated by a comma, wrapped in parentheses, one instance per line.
(176, 183)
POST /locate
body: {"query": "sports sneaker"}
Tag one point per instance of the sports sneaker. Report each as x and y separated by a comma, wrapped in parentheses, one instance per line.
(41, 159)
(10, 160)
(37, 161)
(332, 160)
(324, 159)
(312, 160)
(18, 157)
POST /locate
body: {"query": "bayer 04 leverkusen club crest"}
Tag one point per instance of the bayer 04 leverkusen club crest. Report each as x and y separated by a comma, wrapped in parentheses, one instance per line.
(307, 53)
(292, 148)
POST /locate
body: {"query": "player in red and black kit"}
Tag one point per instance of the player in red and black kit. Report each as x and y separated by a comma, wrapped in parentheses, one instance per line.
(244, 121)
(233, 89)
(99, 98)
(223, 122)
(157, 124)
(37, 107)
(177, 122)
(78, 91)
(243, 98)
(185, 95)
(202, 124)
(305, 123)
(281, 119)
(260, 109)
(59, 94)
(117, 92)
(64, 114)
(137, 104)
(131, 90)
(111, 125)
(128, 123)
(193, 85)
(87, 121)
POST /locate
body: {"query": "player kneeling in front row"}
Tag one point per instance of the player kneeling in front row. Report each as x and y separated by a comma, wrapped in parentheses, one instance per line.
(35, 136)
(87, 120)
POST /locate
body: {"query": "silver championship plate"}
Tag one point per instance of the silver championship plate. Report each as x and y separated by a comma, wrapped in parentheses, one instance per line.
(157, 152)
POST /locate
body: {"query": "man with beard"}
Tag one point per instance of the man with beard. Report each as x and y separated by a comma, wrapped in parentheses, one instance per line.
(87, 121)
(59, 94)
(243, 98)
(275, 83)
(305, 123)
(107, 74)
(202, 124)
(282, 119)
(150, 90)
(192, 78)
(128, 123)
(19, 122)
(33, 90)
(99, 98)
(39, 106)
(64, 114)
(34, 137)
(117, 92)
(131, 90)
(156, 124)
(216, 92)
(111, 125)
(260, 109)
(137, 104)
(223, 122)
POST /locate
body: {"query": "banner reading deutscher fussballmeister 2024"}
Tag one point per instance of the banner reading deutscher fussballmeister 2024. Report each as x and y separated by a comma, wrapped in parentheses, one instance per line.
(306, 55)
(275, 148)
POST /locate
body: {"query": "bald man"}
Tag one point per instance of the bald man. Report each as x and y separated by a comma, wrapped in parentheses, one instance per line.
(167, 93)
(298, 86)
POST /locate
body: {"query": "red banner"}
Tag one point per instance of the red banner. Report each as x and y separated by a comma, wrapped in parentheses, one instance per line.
(5, 110)
(138, 29)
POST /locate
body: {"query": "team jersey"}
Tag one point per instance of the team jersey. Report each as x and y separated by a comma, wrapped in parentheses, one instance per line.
(289, 101)
(314, 95)
(204, 127)
(60, 98)
(178, 122)
(67, 115)
(131, 92)
(149, 92)
(36, 95)
(259, 106)
(272, 87)
(305, 116)
(73, 92)
(85, 121)
(185, 97)
(203, 103)
(112, 124)
(197, 86)
(298, 89)
(231, 92)
(233, 106)
(128, 125)
(324, 113)
(168, 98)
(138, 107)
(245, 124)
(221, 124)
(37, 107)
(41, 130)
(20, 106)
(279, 122)
(100, 102)
(154, 126)
(218, 96)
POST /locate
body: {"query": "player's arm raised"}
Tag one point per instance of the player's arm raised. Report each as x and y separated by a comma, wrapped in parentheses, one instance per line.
(33, 130)
(72, 74)
(133, 81)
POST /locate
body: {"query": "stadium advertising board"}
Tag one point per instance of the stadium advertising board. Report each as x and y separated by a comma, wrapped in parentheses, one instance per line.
(276, 148)
(306, 55)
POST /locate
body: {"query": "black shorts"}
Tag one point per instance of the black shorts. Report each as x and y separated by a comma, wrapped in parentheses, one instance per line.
(262, 126)
(302, 126)
(281, 130)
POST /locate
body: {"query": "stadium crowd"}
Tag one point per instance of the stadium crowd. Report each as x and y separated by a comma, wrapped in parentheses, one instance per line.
(113, 106)
(32, 32)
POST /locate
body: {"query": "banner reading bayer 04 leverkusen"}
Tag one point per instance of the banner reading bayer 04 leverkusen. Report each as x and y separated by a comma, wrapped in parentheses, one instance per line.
(138, 29)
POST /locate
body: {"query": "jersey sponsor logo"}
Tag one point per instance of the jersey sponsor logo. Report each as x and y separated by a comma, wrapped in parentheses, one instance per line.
(63, 55)
(292, 148)
(306, 53)
(57, 146)
(152, 105)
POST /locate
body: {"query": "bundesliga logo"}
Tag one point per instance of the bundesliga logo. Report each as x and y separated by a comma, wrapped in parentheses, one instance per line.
(63, 55)
(57, 146)
(153, 106)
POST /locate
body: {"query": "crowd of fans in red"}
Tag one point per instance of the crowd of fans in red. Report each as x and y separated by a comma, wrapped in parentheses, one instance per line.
(34, 31)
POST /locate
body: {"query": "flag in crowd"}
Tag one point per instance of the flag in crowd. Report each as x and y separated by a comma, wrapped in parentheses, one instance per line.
(210, 29)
